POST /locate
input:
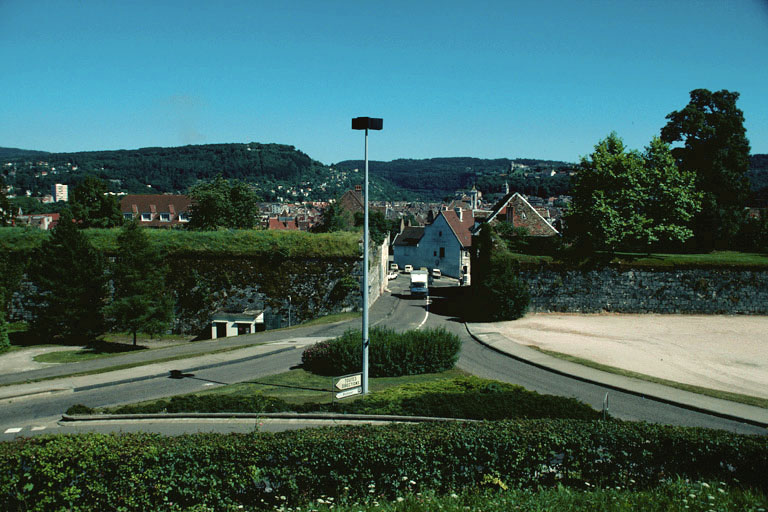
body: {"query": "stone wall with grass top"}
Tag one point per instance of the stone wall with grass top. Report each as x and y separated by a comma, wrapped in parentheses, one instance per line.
(620, 290)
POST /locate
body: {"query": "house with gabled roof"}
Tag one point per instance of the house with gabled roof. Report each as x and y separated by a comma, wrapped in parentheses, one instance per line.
(515, 209)
(444, 244)
(156, 210)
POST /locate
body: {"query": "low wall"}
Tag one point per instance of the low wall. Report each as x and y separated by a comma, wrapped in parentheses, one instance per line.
(710, 291)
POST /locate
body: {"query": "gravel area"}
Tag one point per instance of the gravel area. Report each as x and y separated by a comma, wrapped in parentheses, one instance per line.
(729, 353)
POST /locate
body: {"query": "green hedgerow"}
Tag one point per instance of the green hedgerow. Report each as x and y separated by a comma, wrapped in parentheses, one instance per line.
(391, 354)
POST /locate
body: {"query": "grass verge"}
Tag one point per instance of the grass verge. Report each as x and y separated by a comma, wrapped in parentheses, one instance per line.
(714, 393)
(676, 495)
(448, 394)
(127, 366)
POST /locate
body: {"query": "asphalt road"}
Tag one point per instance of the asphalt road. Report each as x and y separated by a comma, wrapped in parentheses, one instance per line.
(40, 414)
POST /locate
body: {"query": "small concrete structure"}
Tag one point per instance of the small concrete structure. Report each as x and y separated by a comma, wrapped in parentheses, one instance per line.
(226, 323)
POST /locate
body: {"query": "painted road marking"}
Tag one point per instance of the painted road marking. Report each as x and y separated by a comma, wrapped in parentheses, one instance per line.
(13, 430)
(209, 384)
(426, 315)
(34, 429)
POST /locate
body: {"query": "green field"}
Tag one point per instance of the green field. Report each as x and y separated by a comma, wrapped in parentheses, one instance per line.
(283, 244)
(717, 259)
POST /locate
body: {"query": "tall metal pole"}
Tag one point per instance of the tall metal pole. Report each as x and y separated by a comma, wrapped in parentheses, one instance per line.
(365, 271)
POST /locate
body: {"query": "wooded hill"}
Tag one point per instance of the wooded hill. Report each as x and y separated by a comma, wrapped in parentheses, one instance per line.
(273, 168)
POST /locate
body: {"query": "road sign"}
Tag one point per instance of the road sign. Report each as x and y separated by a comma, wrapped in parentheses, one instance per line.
(349, 381)
(349, 392)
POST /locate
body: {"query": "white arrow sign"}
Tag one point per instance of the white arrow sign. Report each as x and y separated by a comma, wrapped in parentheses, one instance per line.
(349, 392)
(350, 381)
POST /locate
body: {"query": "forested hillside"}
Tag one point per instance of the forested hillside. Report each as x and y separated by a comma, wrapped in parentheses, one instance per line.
(434, 178)
(280, 171)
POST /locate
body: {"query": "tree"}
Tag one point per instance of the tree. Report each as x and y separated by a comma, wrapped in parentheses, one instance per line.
(223, 203)
(141, 301)
(716, 149)
(336, 218)
(71, 285)
(630, 200)
(93, 207)
(6, 209)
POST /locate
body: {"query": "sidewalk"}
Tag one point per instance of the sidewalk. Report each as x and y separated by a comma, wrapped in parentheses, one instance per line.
(723, 408)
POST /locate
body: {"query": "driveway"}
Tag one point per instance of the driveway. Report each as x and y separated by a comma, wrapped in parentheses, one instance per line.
(728, 353)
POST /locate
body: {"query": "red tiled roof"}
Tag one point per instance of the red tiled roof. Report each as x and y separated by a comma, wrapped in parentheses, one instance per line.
(460, 227)
(275, 223)
(156, 204)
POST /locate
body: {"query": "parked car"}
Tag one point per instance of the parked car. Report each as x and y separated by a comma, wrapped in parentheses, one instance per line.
(408, 269)
(392, 275)
(393, 266)
(436, 274)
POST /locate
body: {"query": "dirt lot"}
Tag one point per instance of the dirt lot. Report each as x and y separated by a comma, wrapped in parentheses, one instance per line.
(720, 352)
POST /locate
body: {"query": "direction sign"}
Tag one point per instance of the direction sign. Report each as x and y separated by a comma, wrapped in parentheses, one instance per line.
(349, 392)
(349, 381)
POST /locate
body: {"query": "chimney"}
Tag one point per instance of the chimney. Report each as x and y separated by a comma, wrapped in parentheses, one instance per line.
(459, 214)
(358, 188)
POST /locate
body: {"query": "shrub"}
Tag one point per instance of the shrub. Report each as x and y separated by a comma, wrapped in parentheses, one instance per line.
(222, 472)
(501, 295)
(391, 354)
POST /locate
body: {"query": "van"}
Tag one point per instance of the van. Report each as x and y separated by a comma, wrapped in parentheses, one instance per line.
(408, 269)
(393, 266)
(436, 274)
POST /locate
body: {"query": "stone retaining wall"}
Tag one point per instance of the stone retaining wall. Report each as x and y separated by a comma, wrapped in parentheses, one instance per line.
(711, 291)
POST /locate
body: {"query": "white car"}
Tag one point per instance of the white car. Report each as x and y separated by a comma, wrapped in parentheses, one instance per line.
(436, 274)
(392, 275)
(408, 269)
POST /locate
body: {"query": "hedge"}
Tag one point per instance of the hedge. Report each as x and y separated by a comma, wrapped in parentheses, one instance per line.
(151, 472)
(391, 354)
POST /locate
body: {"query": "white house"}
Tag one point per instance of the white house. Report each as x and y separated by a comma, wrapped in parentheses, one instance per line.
(444, 244)
(226, 323)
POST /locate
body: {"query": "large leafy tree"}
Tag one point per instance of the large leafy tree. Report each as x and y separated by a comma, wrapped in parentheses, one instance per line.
(141, 301)
(71, 284)
(716, 148)
(93, 207)
(631, 200)
(223, 203)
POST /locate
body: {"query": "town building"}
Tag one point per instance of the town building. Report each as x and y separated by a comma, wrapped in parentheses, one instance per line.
(156, 210)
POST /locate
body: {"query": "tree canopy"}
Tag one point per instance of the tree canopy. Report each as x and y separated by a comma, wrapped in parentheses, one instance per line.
(141, 301)
(72, 288)
(630, 200)
(93, 207)
(716, 149)
(223, 203)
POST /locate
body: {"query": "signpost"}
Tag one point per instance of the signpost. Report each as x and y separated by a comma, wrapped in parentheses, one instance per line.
(348, 385)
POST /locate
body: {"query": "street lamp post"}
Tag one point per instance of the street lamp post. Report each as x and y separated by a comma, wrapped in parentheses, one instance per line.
(365, 123)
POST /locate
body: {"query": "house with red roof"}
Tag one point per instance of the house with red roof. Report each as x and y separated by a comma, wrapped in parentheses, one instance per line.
(156, 210)
(516, 210)
(444, 244)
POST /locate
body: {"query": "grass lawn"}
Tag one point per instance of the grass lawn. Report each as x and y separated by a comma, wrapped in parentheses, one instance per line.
(717, 259)
(715, 393)
(301, 387)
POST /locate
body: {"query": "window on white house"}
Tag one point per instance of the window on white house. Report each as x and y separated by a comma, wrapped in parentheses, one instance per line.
(128, 216)
(165, 217)
(146, 217)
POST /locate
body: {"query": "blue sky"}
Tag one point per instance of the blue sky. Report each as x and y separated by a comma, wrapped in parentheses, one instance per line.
(538, 79)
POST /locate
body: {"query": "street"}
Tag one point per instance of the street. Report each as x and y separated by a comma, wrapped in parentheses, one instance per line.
(40, 414)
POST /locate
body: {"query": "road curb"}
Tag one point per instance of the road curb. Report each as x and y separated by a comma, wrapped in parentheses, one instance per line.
(259, 415)
(193, 369)
(623, 389)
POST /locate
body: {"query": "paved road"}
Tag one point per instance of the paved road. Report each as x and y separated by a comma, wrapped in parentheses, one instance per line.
(35, 415)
